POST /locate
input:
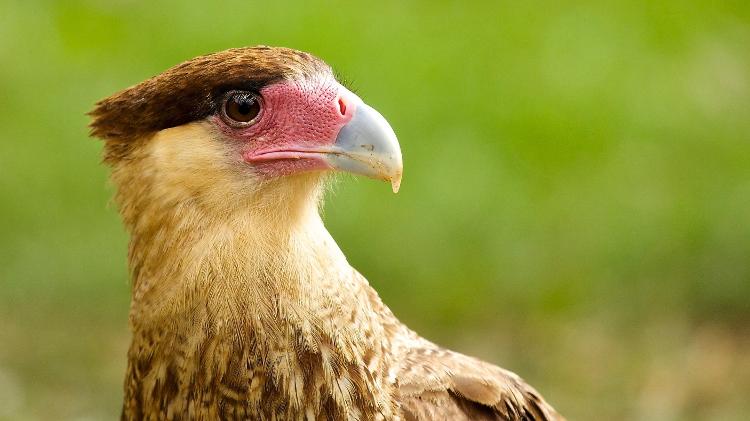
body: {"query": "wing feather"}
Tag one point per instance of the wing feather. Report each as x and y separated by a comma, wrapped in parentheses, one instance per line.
(438, 384)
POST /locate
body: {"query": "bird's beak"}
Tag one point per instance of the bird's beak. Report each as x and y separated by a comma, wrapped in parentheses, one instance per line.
(367, 145)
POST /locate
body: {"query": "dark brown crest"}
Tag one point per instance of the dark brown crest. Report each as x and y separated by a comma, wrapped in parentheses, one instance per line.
(190, 91)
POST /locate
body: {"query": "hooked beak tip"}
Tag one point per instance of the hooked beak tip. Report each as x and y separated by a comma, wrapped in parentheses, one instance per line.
(396, 182)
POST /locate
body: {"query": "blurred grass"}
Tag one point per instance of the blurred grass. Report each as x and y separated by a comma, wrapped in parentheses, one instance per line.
(575, 206)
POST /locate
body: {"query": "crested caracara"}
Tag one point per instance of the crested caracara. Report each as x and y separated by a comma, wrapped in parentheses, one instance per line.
(243, 306)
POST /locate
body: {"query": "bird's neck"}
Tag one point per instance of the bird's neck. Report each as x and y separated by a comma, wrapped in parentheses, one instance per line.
(240, 265)
(267, 297)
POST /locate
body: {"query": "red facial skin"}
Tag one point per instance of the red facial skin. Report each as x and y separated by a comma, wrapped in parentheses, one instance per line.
(296, 118)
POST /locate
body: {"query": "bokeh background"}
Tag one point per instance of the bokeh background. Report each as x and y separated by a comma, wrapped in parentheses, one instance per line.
(575, 205)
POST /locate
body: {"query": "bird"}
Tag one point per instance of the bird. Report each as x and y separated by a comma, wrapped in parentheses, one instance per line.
(242, 304)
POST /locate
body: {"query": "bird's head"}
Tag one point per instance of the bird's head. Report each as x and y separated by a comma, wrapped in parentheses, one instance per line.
(258, 125)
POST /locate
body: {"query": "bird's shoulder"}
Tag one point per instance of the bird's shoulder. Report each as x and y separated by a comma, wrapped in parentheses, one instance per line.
(435, 383)
(439, 384)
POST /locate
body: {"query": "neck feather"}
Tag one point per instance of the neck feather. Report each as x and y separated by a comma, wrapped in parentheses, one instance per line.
(269, 288)
(246, 257)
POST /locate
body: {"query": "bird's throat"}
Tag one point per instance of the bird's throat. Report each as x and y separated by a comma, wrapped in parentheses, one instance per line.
(249, 261)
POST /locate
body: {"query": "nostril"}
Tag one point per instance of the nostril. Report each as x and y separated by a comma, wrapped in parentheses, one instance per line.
(342, 106)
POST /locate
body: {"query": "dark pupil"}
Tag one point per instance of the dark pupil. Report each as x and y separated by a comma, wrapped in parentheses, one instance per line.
(244, 107)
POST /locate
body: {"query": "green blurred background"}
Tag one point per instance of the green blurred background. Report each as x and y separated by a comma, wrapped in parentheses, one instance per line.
(575, 206)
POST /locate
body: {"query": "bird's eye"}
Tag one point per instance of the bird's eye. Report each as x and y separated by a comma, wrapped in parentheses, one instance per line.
(241, 108)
